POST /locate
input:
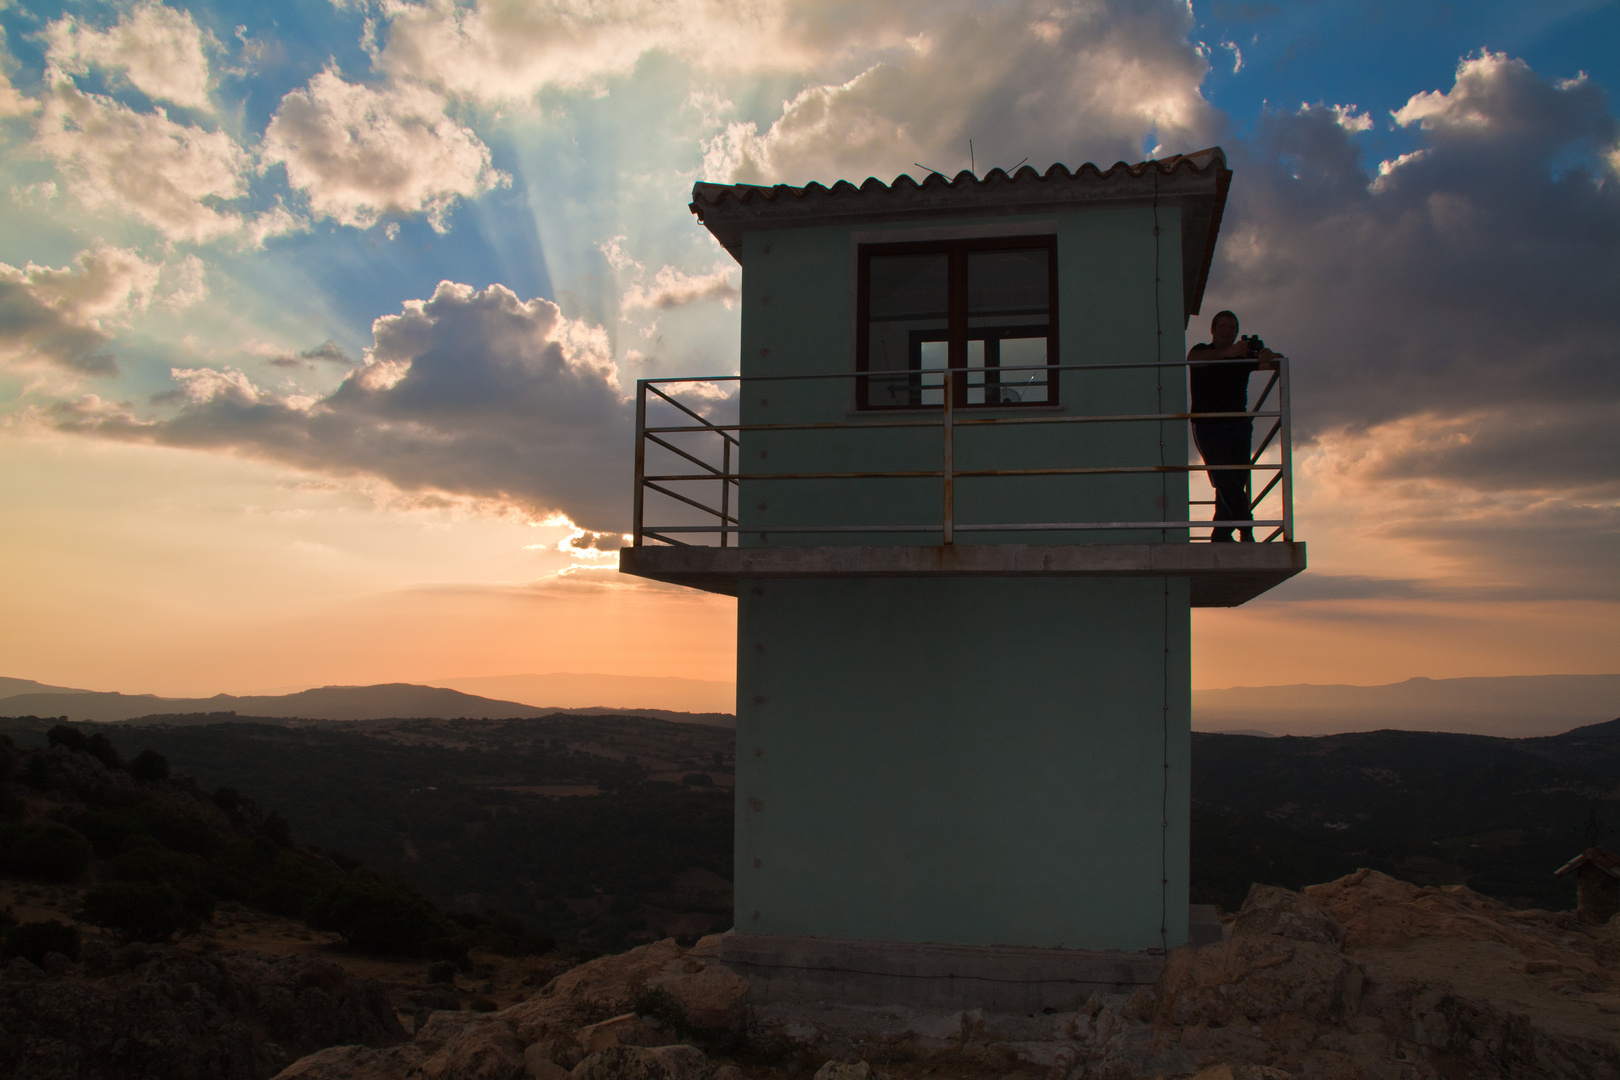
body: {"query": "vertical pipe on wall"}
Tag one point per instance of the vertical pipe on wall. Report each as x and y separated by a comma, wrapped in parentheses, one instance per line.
(641, 461)
(725, 487)
(948, 464)
(1285, 406)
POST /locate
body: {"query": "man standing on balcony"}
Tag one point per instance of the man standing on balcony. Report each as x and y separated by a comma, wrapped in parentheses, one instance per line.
(1224, 388)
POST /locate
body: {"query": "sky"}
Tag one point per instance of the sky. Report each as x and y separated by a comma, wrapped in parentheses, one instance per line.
(318, 320)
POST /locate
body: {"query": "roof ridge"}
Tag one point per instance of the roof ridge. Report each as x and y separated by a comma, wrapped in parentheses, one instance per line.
(714, 194)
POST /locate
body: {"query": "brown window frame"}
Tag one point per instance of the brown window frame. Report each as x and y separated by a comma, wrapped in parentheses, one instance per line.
(957, 333)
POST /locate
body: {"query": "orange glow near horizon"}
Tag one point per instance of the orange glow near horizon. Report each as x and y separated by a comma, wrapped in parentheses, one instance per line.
(159, 571)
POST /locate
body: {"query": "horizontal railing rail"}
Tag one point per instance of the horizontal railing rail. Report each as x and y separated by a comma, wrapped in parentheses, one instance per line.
(947, 417)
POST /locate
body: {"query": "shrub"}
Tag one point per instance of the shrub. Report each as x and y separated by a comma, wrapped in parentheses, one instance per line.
(281, 898)
(379, 917)
(276, 829)
(32, 940)
(10, 805)
(227, 798)
(50, 852)
(142, 910)
(442, 971)
(107, 830)
(38, 773)
(187, 875)
(502, 933)
(149, 765)
(63, 735)
(101, 748)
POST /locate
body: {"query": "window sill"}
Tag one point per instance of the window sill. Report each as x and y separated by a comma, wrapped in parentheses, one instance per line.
(960, 410)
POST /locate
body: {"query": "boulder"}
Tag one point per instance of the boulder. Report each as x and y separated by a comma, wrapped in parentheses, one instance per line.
(489, 1050)
(538, 1065)
(645, 1063)
(846, 1070)
(626, 1030)
(613, 980)
(1286, 914)
(1252, 978)
(354, 1063)
(711, 996)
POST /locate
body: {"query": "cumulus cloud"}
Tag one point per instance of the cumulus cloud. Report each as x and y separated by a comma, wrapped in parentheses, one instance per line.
(170, 175)
(1475, 274)
(66, 317)
(673, 288)
(360, 152)
(1053, 82)
(497, 49)
(883, 85)
(1470, 500)
(12, 103)
(1451, 316)
(158, 48)
(468, 393)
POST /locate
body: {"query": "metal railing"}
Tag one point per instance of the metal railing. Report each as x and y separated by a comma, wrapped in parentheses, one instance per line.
(724, 439)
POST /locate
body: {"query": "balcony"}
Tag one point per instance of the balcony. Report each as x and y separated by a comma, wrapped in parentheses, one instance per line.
(967, 482)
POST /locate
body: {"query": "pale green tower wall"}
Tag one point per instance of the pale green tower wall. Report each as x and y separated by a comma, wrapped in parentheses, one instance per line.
(969, 761)
(974, 761)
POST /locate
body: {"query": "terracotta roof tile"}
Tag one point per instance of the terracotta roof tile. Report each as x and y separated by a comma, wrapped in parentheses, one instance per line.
(1195, 182)
(1600, 857)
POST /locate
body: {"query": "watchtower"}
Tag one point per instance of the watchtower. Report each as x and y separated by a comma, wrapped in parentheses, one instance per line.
(950, 490)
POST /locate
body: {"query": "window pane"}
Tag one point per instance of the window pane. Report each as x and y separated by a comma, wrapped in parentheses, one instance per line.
(1025, 386)
(1008, 286)
(908, 306)
(1009, 311)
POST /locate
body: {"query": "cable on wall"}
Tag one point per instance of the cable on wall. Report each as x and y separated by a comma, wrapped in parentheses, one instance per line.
(1164, 511)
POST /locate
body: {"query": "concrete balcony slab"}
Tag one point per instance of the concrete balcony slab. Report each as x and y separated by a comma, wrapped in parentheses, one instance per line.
(1220, 575)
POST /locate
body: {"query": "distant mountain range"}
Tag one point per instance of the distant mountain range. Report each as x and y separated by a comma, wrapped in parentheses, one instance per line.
(1514, 706)
(1509, 706)
(571, 690)
(24, 697)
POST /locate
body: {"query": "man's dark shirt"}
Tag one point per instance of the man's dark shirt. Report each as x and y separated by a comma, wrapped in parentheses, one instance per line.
(1220, 387)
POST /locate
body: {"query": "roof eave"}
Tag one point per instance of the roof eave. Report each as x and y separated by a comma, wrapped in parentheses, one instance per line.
(1197, 182)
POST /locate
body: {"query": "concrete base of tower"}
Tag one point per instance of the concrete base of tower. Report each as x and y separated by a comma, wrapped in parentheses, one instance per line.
(793, 969)
(1218, 575)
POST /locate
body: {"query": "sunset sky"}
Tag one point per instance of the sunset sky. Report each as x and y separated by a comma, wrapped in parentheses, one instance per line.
(317, 319)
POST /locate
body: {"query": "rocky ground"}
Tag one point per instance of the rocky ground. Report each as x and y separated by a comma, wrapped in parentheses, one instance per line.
(1364, 977)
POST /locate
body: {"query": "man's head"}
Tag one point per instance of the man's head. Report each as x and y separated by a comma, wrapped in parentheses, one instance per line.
(1223, 329)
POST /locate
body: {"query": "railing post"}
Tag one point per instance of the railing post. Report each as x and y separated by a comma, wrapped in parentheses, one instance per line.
(1285, 408)
(641, 462)
(948, 466)
(725, 486)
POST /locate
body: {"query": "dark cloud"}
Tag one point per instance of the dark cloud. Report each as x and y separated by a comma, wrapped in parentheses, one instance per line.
(1571, 446)
(1313, 585)
(473, 393)
(36, 329)
(65, 316)
(1452, 320)
(1477, 274)
(327, 351)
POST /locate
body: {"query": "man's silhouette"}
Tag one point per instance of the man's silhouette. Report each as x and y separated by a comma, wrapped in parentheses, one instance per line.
(1224, 388)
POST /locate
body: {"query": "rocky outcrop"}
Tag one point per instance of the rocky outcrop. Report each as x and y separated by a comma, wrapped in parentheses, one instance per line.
(1303, 988)
(175, 1014)
(582, 1024)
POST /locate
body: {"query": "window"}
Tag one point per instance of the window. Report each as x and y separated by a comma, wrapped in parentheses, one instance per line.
(981, 309)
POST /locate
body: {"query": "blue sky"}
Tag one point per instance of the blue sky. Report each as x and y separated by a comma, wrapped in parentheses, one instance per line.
(226, 228)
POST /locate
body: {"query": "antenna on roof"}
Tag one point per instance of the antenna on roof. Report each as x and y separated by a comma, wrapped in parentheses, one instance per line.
(972, 165)
(1021, 161)
(925, 168)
